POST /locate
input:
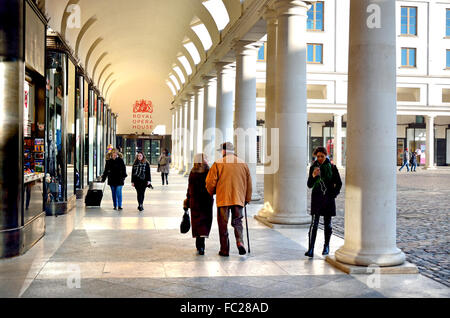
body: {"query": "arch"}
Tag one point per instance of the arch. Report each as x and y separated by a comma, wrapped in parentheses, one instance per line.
(219, 13)
(185, 63)
(98, 62)
(103, 72)
(91, 49)
(175, 81)
(180, 74)
(193, 52)
(106, 81)
(172, 89)
(203, 34)
(109, 87)
(83, 31)
(66, 16)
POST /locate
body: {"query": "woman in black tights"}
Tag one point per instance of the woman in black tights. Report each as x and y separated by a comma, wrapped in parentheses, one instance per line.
(325, 181)
(141, 178)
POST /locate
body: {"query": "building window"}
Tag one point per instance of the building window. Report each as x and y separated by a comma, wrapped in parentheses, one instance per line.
(315, 53)
(409, 21)
(408, 57)
(448, 59)
(315, 17)
(262, 53)
(447, 32)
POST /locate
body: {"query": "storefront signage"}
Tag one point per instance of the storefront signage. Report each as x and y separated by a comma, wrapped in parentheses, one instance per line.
(142, 114)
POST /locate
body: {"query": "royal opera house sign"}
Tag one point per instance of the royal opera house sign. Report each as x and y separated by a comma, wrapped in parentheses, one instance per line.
(142, 115)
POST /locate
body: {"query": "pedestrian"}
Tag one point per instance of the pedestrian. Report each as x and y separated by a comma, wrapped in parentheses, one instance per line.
(116, 172)
(200, 202)
(405, 160)
(413, 161)
(229, 178)
(141, 178)
(325, 181)
(164, 162)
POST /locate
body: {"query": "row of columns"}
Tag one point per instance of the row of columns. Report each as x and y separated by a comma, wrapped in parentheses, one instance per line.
(370, 196)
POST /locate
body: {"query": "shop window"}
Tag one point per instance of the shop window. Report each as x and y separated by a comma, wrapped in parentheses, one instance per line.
(420, 120)
(408, 94)
(315, 55)
(409, 20)
(447, 64)
(262, 53)
(447, 28)
(446, 95)
(315, 16)
(317, 91)
(408, 57)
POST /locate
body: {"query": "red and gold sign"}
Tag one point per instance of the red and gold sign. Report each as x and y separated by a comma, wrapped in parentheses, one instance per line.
(142, 117)
(143, 106)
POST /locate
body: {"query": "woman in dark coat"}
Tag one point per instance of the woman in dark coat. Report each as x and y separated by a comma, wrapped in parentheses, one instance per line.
(200, 202)
(116, 173)
(141, 178)
(325, 181)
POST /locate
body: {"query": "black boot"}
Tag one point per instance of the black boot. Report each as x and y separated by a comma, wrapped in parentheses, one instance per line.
(312, 240)
(328, 231)
(200, 244)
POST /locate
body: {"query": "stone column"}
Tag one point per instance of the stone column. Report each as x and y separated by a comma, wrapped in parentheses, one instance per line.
(337, 158)
(188, 135)
(182, 139)
(224, 110)
(209, 117)
(12, 71)
(245, 109)
(269, 164)
(290, 189)
(173, 139)
(429, 151)
(370, 194)
(195, 123)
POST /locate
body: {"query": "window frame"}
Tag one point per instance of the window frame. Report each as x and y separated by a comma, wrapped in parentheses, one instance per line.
(314, 53)
(265, 53)
(447, 59)
(408, 21)
(315, 29)
(447, 23)
(408, 49)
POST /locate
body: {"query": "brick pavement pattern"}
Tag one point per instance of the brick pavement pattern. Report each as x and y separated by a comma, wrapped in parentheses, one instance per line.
(423, 210)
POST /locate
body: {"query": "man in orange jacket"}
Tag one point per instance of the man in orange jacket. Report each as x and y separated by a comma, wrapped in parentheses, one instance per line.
(229, 178)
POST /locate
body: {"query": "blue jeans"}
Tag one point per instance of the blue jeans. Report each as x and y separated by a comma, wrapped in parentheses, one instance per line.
(405, 163)
(117, 195)
(414, 165)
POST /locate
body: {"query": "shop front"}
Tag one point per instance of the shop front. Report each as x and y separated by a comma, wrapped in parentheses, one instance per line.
(150, 145)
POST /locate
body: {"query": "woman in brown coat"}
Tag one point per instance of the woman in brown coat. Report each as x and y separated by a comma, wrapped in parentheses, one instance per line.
(200, 202)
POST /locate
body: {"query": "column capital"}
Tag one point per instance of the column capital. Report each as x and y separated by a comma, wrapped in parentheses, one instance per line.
(197, 88)
(223, 67)
(431, 116)
(242, 47)
(208, 79)
(292, 7)
(270, 15)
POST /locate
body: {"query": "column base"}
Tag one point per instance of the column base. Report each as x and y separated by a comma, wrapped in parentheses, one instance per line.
(405, 268)
(266, 211)
(289, 220)
(359, 258)
(429, 168)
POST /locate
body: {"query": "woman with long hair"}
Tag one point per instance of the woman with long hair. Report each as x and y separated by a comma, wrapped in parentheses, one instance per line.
(164, 165)
(141, 178)
(200, 202)
(325, 181)
(116, 172)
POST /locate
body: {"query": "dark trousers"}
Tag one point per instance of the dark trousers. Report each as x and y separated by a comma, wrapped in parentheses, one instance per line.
(223, 214)
(328, 229)
(140, 189)
(164, 176)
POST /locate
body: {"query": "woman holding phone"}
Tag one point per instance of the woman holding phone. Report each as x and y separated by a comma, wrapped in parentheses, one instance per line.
(325, 181)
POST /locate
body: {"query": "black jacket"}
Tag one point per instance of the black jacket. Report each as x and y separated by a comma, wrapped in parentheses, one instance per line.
(136, 179)
(324, 204)
(115, 171)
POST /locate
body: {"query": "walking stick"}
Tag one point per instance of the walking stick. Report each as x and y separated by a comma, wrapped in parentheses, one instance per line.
(246, 225)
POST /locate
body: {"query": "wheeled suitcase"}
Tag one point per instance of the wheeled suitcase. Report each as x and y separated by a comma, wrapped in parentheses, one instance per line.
(94, 195)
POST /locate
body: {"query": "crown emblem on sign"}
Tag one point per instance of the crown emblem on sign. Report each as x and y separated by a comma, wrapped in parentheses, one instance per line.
(143, 106)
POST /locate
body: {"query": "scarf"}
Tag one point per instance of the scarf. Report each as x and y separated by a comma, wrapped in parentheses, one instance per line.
(326, 174)
(140, 170)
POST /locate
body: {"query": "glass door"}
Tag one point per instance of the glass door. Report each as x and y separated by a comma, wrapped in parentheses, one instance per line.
(155, 151)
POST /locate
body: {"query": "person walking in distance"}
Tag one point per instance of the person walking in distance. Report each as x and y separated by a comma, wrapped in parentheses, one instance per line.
(164, 165)
(413, 161)
(229, 178)
(200, 202)
(405, 160)
(325, 181)
(141, 178)
(116, 173)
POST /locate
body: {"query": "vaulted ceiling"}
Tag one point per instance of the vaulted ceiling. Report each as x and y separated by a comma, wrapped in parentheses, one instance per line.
(121, 42)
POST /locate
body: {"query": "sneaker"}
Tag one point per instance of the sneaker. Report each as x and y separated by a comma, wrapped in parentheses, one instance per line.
(201, 251)
(242, 250)
(120, 208)
(115, 208)
(223, 254)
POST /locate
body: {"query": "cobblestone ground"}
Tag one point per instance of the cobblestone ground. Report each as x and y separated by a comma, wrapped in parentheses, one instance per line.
(423, 210)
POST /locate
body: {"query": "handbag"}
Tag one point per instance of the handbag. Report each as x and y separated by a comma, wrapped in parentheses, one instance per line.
(185, 225)
(159, 168)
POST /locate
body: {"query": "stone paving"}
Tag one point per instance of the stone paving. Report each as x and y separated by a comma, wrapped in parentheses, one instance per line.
(423, 210)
